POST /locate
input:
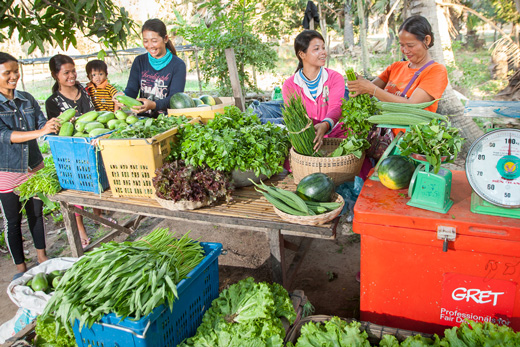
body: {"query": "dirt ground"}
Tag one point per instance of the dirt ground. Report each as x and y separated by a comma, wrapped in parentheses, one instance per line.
(327, 274)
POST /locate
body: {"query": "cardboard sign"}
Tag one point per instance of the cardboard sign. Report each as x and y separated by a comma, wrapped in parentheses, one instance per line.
(476, 298)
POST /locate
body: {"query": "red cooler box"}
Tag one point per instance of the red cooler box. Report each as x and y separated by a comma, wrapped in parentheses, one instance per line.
(408, 282)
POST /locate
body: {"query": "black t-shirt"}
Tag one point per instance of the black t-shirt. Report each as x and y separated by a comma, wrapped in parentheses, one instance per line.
(56, 104)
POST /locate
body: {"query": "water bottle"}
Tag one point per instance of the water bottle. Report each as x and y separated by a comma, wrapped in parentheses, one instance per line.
(277, 94)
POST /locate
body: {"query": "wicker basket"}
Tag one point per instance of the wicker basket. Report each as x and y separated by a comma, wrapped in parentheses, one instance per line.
(180, 205)
(340, 169)
(313, 220)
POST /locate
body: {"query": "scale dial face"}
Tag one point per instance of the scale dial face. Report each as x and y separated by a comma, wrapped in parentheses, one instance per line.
(493, 167)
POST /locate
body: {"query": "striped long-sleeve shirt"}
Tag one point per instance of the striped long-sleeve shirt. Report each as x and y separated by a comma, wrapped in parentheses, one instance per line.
(102, 95)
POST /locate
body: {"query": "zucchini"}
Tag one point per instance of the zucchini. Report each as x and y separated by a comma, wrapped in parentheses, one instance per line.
(131, 119)
(67, 115)
(421, 105)
(112, 124)
(128, 101)
(398, 119)
(105, 117)
(93, 125)
(88, 117)
(67, 129)
(98, 131)
(121, 115)
(79, 134)
(400, 108)
(80, 126)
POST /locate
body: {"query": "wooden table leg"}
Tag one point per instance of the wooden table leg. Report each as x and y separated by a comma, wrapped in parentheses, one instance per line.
(277, 259)
(72, 230)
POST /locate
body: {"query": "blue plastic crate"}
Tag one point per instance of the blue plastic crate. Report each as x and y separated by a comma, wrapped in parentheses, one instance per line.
(78, 164)
(162, 327)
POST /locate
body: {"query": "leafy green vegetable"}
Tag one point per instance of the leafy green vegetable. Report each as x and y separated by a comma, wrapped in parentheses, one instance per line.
(43, 182)
(481, 334)
(234, 140)
(334, 333)
(46, 334)
(434, 140)
(129, 279)
(150, 127)
(351, 146)
(245, 314)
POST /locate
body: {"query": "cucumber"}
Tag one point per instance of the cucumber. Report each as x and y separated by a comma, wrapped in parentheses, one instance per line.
(105, 117)
(131, 119)
(67, 115)
(67, 129)
(88, 117)
(93, 125)
(80, 126)
(128, 101)
(121, 115)
(98, 131)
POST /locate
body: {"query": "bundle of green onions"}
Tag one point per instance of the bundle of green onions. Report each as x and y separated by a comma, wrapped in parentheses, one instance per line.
(351, 76)
(300, 126)
(44, 182)
(129, 279)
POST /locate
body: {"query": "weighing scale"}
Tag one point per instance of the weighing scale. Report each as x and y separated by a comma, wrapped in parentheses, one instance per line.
(428, 190)
(493, 172)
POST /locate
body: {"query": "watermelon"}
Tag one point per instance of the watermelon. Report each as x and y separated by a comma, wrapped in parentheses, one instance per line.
(396, 171)
(181, 100)
(208, 100)
(197, 101)
(316, 187)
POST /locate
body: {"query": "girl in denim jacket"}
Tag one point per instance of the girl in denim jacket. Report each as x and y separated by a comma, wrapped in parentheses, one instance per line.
(21, 123)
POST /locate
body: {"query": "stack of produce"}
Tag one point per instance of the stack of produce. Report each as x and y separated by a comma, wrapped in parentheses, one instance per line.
(245, 314)
(129, 279)
(337, 332)
(313, 196)
(300, 126)
(231, 141)
(45, 282)
(183, 100)
(404, 114)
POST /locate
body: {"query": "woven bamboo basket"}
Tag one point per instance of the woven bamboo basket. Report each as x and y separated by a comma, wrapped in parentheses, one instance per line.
(313, 220)
(180, 205)
(340, 169)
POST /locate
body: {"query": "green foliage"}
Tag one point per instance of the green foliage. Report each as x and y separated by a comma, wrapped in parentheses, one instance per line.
(234, 140)
(59, 21)
(245, 314)
(236, 26)
(46, 334)
(150, 127)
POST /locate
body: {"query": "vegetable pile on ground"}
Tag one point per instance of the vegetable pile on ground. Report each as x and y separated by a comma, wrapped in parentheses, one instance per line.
(177, 181)
(338, 333)
(234, 140)
(146, 128)
(129, 279)
(245, 314)
(434, 140)
(44, 182)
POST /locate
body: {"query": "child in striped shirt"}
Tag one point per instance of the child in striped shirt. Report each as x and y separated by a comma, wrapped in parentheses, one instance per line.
(101, 92)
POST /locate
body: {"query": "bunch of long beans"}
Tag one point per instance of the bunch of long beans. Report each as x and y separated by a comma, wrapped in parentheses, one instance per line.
(351, 76)
(129, 279)
(300, 126)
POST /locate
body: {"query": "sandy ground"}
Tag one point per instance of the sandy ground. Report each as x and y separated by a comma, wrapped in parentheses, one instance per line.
(327, 274)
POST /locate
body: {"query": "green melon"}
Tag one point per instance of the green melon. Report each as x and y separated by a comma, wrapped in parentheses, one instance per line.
(316, 187)
(395, 171)
(181, 100)
(197, 101)
(208, 100)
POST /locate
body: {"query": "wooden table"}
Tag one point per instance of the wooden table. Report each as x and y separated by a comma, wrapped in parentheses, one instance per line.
(249, 210)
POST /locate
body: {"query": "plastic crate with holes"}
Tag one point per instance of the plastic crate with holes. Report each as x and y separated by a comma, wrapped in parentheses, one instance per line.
(131, 163)
(162, 327)
(78, 163)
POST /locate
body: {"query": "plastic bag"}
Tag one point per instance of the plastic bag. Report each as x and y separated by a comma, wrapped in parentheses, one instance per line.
(21, 318)
(269, 111)
(24, 297)
(350, 192)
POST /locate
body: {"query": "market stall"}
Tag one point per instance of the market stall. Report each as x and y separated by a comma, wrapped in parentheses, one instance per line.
(248, 210)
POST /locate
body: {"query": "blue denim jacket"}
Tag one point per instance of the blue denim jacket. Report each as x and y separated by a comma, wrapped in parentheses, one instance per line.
(20, 114)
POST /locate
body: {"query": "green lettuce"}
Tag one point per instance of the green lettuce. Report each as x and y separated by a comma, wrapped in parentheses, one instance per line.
(333, 333)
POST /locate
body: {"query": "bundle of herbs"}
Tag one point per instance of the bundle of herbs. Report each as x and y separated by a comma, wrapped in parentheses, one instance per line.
(233, 140)
(434, 140)
(245, 314)
(150, 127)
(43, 183)
(129, 279)
(178, 181)
(300, 127)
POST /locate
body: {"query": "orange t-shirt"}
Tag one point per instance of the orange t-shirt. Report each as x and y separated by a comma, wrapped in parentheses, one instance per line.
(433, 80)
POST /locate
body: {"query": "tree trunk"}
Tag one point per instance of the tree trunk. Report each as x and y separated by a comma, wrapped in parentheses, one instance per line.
(348, 30)
(363, 36)
(323, 23)
(449, 104)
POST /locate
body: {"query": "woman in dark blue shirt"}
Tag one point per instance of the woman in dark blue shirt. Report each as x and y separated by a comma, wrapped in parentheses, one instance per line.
(157, 75)
(21, 123)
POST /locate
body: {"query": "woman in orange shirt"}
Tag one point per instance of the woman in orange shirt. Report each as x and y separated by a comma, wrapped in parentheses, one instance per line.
(393, 85)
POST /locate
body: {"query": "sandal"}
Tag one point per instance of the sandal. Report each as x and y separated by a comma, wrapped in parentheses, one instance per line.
(85, 242)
